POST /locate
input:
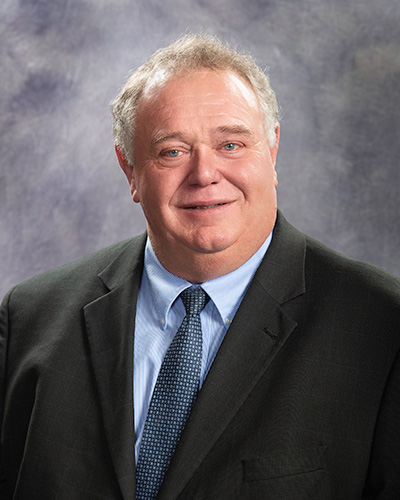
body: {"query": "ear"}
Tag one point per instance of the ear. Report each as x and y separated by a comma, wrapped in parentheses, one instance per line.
(274, 151)
(128, 171)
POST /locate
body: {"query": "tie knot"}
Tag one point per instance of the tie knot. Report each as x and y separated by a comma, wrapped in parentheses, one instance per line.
(194, 299)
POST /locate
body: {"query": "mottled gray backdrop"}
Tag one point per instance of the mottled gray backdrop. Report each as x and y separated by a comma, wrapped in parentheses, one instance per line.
(335, 66)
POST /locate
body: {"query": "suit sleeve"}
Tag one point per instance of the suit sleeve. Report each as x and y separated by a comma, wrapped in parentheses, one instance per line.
(383, 481)
(3, 368)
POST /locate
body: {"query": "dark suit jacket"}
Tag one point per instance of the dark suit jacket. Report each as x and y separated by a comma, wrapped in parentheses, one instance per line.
(302, 401)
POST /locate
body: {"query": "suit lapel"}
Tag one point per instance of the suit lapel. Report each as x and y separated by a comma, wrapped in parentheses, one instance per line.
(110, 326)
(260, 328)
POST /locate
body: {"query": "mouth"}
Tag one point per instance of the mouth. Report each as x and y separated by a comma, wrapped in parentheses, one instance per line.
(204, 207)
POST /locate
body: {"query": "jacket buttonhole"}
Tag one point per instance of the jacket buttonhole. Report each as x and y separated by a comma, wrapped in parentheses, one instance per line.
(270, 334)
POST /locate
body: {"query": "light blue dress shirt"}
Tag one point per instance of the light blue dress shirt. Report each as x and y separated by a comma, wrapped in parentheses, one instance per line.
(160, 312)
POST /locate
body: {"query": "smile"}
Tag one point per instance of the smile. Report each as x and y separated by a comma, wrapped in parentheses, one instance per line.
(203, 207)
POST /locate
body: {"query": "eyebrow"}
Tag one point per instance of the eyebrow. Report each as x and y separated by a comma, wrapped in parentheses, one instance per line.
(165, 137)
(234, 129)
(223, 129)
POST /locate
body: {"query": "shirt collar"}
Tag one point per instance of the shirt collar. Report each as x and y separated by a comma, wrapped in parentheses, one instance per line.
(226, 292)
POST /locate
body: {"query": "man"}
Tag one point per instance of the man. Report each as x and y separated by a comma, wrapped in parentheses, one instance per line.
(295, 391)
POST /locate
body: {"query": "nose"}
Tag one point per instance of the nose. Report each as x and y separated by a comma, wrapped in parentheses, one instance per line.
(204, 168)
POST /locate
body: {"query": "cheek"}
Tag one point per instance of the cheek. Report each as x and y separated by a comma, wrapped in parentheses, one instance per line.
(157, 188)
(254, 180)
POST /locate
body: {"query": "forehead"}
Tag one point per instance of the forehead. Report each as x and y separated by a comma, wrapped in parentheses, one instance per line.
(206, 95)
(199, 80)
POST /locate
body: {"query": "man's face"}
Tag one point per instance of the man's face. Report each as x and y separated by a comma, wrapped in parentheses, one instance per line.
(204, 173)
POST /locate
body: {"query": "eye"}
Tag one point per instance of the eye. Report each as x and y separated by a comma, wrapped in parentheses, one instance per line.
(230, 146)
(171, 153)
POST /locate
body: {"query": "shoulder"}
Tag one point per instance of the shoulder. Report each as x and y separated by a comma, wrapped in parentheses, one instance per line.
(339, 272)
(296, 263)
(357, 300)
(330, 281)
(79, 278)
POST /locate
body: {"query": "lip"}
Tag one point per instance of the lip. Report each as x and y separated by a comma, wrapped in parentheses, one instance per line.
(206, 205)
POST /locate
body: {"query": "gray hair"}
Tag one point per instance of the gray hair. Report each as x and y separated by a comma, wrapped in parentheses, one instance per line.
(188, 53)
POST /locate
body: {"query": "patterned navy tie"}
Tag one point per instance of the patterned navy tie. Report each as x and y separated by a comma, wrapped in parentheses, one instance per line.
(174, 395)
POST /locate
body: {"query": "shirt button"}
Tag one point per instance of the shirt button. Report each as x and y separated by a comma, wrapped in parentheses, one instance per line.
(227, 321)
(163, 321)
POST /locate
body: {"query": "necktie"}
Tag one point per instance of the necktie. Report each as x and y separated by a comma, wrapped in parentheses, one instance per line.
(174, 395)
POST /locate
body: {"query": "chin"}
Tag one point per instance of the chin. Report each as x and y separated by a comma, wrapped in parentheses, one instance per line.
(209, 244)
